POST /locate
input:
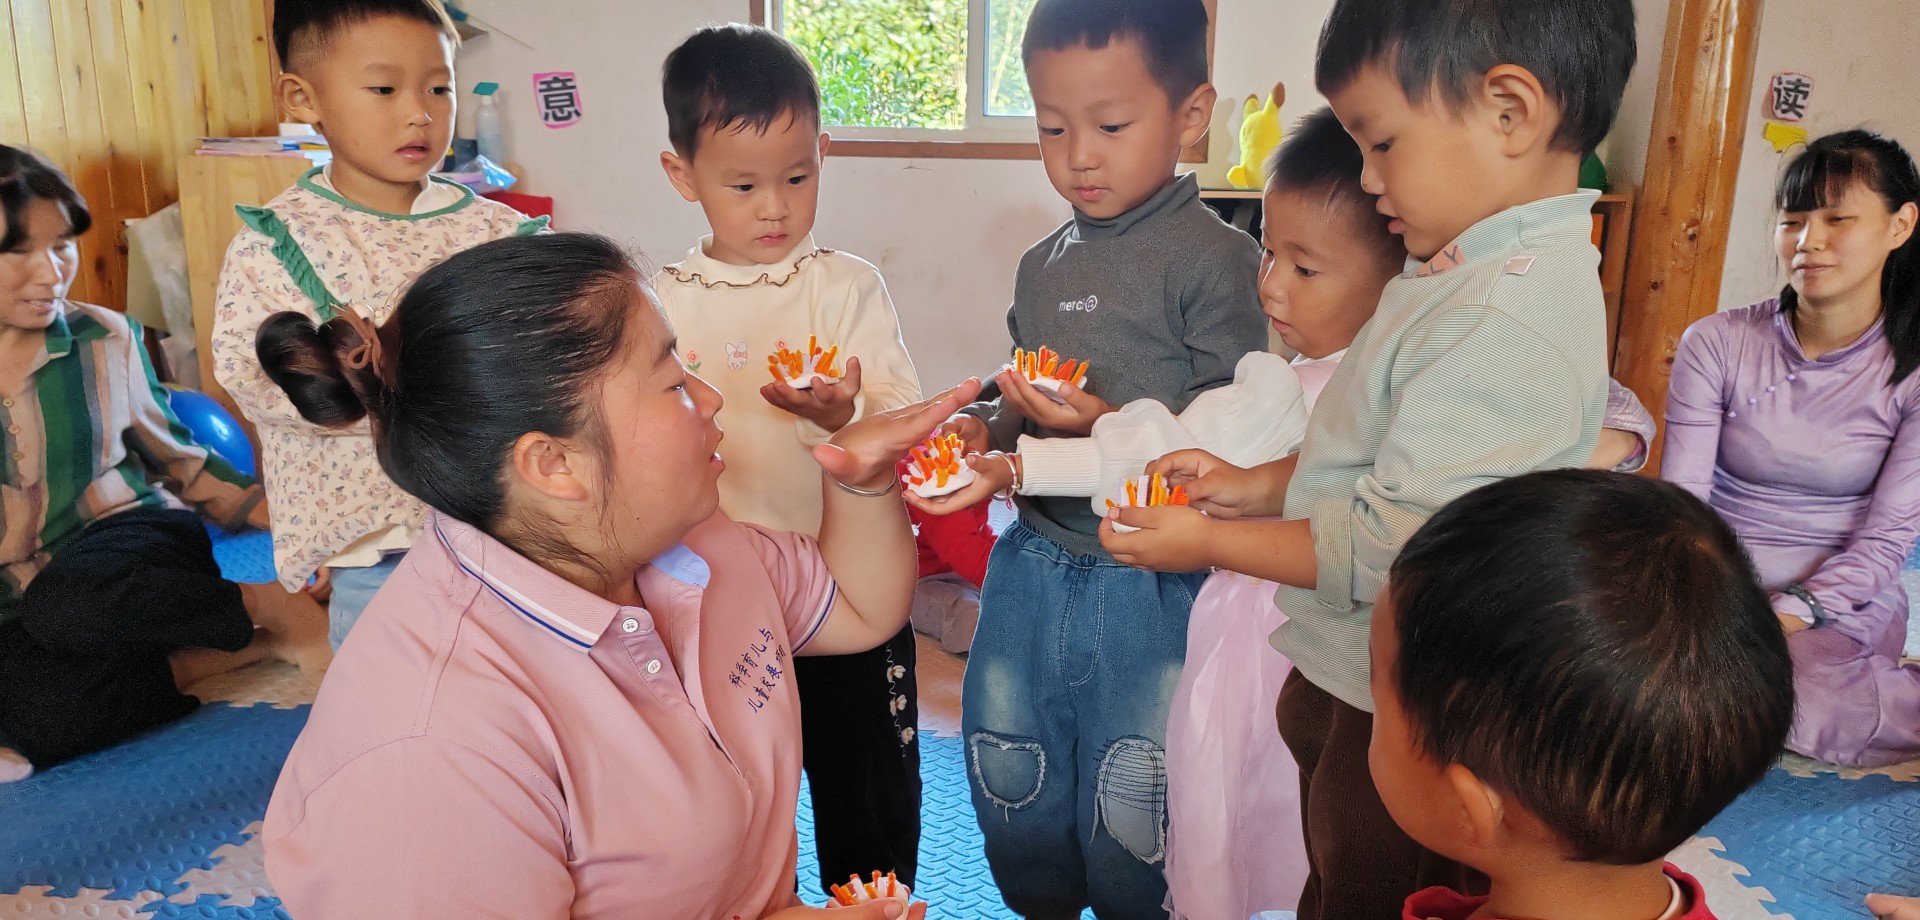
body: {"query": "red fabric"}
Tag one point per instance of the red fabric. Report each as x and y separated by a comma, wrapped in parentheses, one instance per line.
(957, 542)
(530, 205)
(1447, 904)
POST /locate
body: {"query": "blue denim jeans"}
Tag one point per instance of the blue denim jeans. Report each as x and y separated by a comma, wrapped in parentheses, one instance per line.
(353, 589)
(1064, 711)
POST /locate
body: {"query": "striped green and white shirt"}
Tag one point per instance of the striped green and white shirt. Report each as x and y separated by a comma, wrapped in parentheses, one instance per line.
(1486, 361)
(91, 435)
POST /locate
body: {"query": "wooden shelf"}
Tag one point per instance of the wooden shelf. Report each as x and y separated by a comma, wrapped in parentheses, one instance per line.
(1229, 194)
(1615, 209)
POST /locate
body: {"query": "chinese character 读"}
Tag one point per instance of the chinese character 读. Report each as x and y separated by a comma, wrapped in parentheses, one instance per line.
(1790, 94)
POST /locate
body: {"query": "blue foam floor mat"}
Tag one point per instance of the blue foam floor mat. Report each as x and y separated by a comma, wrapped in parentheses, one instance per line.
(167, 825)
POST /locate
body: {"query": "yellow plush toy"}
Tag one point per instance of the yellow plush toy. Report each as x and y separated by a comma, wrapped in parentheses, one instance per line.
(1259, 135)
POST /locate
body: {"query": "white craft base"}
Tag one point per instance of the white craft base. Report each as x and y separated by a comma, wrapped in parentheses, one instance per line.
(1046, 385)
(903, 894)
(805, 381)
(955, 483)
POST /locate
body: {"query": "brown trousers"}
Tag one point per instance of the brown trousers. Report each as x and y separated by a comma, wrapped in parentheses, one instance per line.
(1361, 866)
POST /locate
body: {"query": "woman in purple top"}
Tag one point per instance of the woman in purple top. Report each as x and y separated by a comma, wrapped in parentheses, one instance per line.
(1799, 420)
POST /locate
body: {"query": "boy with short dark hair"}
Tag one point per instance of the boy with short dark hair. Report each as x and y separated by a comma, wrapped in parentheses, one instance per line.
(743, 119)
(1075, 658)
(376, 78)
(1485, 360)
(1573, 672)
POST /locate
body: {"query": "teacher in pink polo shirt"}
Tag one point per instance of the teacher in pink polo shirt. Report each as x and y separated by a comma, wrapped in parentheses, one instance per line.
(575, 697)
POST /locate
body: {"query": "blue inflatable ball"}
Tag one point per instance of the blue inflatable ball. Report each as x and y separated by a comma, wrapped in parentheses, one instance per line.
(213, 427)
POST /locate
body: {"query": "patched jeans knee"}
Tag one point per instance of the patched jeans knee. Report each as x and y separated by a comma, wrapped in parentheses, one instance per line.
(1131, 797)
(1009, 772)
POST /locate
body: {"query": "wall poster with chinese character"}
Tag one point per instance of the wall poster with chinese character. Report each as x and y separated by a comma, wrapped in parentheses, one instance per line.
(558, 95)
(1788, 97)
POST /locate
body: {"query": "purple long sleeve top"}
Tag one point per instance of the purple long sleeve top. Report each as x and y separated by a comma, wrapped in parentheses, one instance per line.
(1814, 462)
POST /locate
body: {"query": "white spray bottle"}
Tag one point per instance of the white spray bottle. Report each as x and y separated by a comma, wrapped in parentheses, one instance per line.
(487, 128)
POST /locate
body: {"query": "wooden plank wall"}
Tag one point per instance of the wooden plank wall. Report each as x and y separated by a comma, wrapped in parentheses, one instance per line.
(114, 92)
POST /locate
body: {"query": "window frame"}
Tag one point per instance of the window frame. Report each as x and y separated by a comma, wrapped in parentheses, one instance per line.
(974, 141)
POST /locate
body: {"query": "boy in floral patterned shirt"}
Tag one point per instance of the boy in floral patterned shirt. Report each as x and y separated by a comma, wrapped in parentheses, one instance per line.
(375, 77)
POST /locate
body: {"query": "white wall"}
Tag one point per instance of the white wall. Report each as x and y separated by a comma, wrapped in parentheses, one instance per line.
(946, 233)
(1625, 150)
(1861, 55)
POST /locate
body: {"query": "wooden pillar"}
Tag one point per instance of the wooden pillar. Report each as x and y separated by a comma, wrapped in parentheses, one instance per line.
(1693, 159)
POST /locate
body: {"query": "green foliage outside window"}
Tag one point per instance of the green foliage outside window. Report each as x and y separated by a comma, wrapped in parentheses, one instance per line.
(903, 63)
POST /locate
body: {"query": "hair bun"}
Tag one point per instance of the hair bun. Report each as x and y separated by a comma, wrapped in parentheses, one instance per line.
(304, 360)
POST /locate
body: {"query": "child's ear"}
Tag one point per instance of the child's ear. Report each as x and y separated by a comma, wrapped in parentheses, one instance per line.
(1483, 806)
(1523, 112)
(548, 467)
(826, 141)
(295, 97)
(680, 173)
(1195, 115)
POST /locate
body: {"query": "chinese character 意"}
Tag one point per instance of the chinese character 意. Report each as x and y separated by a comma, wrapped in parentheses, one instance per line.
(559, 97)
(1790, 94)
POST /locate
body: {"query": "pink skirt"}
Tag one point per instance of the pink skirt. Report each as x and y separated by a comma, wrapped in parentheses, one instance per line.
(1234, 844)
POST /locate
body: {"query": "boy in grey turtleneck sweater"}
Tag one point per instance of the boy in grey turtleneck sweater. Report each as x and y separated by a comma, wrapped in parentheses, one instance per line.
(1076, 655)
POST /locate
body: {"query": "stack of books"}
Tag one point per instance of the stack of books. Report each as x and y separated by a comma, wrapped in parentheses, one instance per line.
(306, 146)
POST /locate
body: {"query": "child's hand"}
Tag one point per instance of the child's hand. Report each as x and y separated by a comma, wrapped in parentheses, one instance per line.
(1077, 416)
(866, 454)
(1215, 486)
(1170, 539)
(321, 590)
(828, 404)
(1791, 625)
(1614, 449)
(972, 432)
(1888, 907)
(889, 909)
(995, 476)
